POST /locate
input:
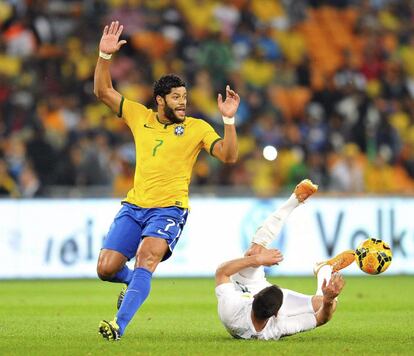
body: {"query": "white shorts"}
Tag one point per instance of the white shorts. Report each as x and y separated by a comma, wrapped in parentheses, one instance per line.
(253, 280)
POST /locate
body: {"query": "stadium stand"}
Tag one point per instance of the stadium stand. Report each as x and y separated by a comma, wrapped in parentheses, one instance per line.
(330, 84)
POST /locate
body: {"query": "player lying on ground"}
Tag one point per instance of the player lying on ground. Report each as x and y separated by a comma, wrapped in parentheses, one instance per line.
(252, 308)
(154, 212)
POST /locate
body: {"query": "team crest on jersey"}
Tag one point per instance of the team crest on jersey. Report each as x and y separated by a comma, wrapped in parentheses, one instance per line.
(179, 130)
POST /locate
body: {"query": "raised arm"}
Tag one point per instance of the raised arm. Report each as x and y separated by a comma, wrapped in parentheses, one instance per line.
(227, 269)
(102, 86)
(226, 150)
(330, 291)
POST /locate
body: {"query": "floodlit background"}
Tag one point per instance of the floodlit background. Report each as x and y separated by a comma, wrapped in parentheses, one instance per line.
(327, 94)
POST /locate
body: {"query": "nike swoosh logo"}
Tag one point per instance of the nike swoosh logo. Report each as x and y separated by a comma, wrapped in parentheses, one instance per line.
(148, 127)
(162, 232)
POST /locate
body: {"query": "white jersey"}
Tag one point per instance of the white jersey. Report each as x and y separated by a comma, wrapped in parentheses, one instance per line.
(235, 307)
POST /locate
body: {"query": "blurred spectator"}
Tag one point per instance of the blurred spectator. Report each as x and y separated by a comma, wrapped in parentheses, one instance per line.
(124, 180)
(381, 177)
(42, 155)
(408, 160)
(347, 77)
(257, 70)
(29, 183)
(15, 155)
(318, 170)
(93, 165)
(204, 97)
(261, 175)
(347, 175)
(8, 187)
(69, 167)
(214, 54)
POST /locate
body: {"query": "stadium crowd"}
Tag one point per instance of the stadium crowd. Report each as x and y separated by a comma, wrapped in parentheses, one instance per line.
(331, 87)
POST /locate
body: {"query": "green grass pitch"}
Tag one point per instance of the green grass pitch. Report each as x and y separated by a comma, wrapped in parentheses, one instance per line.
(375, 316)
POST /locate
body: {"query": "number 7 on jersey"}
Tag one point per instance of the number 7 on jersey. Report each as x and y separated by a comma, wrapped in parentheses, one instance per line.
(154, 150)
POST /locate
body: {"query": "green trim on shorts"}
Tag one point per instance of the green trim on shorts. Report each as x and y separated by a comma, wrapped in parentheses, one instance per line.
(121, 104)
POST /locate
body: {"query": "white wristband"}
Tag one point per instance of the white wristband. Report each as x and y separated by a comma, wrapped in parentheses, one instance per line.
(228, 120)
(105, 55)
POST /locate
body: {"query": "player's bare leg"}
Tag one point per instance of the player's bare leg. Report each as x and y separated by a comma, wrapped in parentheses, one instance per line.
(146, 259)
(149, 255)
(273, 224)
(253, 279)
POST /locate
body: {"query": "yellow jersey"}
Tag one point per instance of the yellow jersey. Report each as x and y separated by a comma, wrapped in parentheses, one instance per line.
(165, 155)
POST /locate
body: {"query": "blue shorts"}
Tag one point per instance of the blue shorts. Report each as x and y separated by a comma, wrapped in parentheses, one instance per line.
(133, 223)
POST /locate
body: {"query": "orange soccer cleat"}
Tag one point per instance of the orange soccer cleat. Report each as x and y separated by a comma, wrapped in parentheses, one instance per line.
(340, 261)
(305, 189)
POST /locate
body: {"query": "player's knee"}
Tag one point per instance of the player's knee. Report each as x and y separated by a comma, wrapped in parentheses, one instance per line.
(105, 271)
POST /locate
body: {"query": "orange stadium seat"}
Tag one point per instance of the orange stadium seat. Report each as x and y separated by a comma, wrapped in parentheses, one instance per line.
(145, 41)
(291, 101)
(327, 33)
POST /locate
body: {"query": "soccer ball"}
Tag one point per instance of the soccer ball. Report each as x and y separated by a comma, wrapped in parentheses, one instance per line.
(373, 256)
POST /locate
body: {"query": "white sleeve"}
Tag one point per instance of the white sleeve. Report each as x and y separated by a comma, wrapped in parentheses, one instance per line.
(295, 324)
(295, 303)
(229, 302)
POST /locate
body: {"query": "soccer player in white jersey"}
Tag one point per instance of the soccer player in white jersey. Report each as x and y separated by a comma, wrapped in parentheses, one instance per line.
(252, 308)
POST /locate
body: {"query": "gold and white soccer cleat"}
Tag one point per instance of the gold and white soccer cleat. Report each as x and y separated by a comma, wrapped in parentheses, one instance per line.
(109, 330)
(305, 189)
(121, 297)
(340, 261)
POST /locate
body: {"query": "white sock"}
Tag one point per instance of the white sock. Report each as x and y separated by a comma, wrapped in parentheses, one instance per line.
(324, 272)
(273, 224)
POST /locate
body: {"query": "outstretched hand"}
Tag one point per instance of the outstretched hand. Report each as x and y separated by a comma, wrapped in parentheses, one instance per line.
(269, 257)
(229, 106)
(110, 38)
(332, 289)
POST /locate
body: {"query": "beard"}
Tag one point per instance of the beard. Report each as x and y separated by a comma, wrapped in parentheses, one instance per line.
(170, 115)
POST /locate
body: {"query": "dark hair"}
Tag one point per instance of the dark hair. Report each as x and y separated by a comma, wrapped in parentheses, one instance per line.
(267, 302)
(163, 86)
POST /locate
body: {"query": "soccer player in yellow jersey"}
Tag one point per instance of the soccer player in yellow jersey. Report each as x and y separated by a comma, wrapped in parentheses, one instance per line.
(153, 215)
